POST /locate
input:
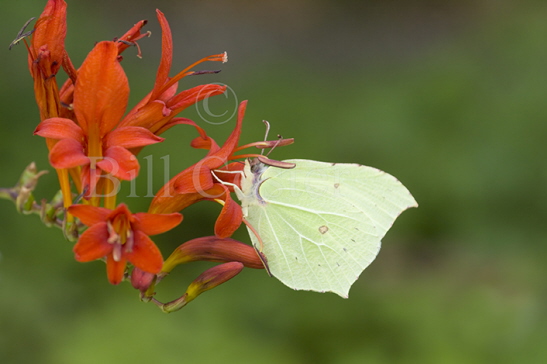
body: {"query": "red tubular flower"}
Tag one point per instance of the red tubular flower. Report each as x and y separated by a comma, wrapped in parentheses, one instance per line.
(46, 55)
(198, 183)
(121, 237)
(127, 40)
(100, 98)
(92, 137)
(156, 111)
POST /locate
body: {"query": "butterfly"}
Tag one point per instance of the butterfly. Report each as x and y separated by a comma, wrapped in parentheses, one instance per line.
(318, 225)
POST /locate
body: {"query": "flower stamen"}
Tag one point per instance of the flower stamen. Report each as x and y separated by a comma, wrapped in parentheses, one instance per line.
(222, 57)
(113, 236)
(129, 241)
(117, 252)
(22, 35)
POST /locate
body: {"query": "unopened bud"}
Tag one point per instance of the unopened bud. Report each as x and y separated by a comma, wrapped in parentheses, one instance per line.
(213, 249)
(213, 277)
(207, 280)
(141, 280)
(25, 186)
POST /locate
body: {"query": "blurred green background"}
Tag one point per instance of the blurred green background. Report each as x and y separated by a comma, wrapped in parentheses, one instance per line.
(447, 96)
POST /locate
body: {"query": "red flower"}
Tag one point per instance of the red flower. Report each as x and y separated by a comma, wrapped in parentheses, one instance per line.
(200, 182)
(121, 237)
(46, 55)
(92, 137)
(100, 99)
(66, 93)
(197, 182)
(156, 111)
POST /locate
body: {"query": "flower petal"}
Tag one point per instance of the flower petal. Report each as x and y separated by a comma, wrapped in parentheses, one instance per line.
(49, 34)
(93, 244)
(197, 178)
(167, 200)
(152, 224)
(191, 96)
(131, 36)
(89, 215)
(59, 128)
(68, 153)
(145, 255)
(121, 209)
(145, 114)
(166, 56)
(202, 142)
(115, 270)
(101, 91)
(90, 178)
(131, 137)
(231, 143)
(120, 163)
(230, 217)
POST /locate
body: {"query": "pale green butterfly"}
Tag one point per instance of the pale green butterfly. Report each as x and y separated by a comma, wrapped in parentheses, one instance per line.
(319, 225)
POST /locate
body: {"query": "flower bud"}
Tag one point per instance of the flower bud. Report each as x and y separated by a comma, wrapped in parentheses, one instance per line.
(213, 249)
(141, 280)
(48, 39)
(22, 192)
(207, 280)
(213, 277)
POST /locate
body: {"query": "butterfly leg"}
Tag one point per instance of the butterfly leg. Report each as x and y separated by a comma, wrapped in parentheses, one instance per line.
(259, 251)
(237, 190)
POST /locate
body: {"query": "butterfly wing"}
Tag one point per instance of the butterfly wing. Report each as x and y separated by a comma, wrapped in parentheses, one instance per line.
(321, 224)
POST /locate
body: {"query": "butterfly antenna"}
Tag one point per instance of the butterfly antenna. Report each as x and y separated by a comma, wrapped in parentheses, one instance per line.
(266, 134)
(279, 137)
(265, 159)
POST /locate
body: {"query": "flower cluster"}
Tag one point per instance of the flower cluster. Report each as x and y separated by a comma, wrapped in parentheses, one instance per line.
(93, 142)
